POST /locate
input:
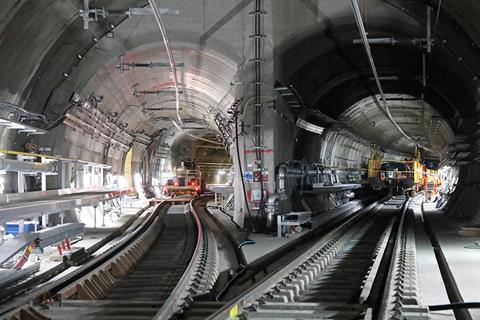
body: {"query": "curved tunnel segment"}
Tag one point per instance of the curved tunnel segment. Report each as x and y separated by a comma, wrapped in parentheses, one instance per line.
(280, 110)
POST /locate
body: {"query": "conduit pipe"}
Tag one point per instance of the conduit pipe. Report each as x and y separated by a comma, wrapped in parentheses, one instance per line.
(363, 35)
(194, 136)
(171, 60)
(173, 68)
(27, 166)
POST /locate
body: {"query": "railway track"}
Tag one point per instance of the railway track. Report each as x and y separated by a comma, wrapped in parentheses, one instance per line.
(23, 285)
(169, 270)
(343, 276)
(166, 263)
(141, 292)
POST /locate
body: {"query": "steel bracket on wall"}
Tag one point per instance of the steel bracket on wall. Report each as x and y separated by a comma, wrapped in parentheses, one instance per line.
(94, 14)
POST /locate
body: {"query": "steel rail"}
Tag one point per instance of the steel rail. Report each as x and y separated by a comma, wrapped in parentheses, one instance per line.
(401, 298)
(368, 285)
(200, 274)
(12, 291)
(290, 271)
(386, 301)
(51, 288)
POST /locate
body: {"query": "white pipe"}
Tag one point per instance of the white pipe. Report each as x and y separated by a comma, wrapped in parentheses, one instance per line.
(193, 136)
(173, 66)
(27, 166)
(363, 34)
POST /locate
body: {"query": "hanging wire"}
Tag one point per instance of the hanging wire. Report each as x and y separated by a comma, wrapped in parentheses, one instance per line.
(194, 136)
(363, 34)
(437, 18)
(171, 59)
(173, 69)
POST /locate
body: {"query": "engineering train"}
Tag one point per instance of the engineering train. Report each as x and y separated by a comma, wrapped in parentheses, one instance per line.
(409, 175)
(187, 181)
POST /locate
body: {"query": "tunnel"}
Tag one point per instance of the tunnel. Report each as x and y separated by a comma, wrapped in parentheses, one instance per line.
(272, 120)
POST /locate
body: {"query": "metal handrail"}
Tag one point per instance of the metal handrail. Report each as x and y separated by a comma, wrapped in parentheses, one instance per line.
(180, 292)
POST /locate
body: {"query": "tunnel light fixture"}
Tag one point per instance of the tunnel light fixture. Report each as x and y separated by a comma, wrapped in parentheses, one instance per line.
(309, 126)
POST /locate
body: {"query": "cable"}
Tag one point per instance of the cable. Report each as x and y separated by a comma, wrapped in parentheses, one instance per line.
(173, 68)
(241, 244)
(455, 305)
(171, 60)
(241, 173)
(437, 17)
(363, 34)
(193, 136)
(229, 216)
(252, 98)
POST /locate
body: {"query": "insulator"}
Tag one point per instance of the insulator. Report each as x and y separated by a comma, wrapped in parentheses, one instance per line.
(116, 12)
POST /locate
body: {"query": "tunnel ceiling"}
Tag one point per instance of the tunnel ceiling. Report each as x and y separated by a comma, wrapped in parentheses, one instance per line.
(73, 60)
(144, 97)
(47, 56)
(331, 72)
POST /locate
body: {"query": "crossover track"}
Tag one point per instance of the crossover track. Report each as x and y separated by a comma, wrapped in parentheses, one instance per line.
(364, 268)
(342, 276)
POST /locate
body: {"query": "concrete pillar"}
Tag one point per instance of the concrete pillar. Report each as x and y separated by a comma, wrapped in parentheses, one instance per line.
(276, 138)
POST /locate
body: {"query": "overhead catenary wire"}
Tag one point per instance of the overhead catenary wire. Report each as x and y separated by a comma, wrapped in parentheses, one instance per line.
(194, 136)
(363, 35)
(171, 59)
(437, 17)
(173, 69)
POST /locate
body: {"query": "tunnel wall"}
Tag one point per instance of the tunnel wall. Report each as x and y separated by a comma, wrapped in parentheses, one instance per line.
(465, 202)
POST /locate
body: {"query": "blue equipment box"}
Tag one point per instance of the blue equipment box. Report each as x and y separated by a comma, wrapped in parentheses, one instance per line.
(12, 228)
